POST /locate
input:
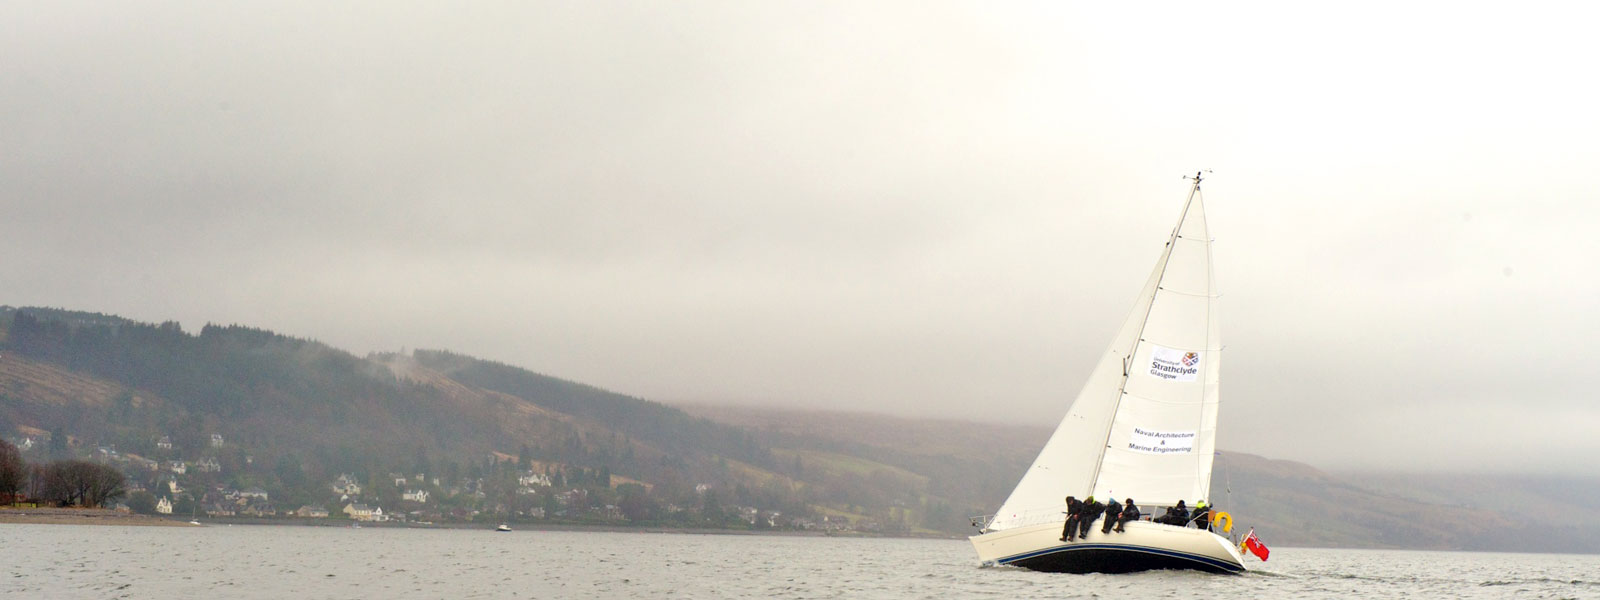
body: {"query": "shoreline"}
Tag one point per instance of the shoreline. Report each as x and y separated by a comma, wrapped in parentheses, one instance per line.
(102, 516)
(84, 516)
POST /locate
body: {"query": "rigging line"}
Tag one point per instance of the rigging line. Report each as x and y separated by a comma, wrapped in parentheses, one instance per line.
(1138, 337)
(1211, 285)
(1196, 295)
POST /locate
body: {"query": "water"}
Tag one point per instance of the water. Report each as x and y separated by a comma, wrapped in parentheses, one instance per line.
(165, 563)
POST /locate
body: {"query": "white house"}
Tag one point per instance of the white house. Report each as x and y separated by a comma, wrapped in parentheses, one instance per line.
(164, 506)
(178, 467)
(415, 496)
(346, 484)
(531, 479)
(216, 440)
(207, 465)
(165, 443)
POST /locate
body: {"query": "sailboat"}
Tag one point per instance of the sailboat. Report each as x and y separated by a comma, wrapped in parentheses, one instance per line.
(1142, 427)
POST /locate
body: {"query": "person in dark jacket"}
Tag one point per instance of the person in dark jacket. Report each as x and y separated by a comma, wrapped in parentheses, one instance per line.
(1074, 514)
(1090, 511)
(1176, 515)
(1202, 515)
(1113, 511)
(1130, 512)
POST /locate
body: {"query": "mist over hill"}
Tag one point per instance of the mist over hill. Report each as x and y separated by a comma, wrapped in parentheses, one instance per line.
(491, 441)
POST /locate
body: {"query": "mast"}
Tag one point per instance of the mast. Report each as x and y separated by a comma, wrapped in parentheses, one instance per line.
(1134, 347)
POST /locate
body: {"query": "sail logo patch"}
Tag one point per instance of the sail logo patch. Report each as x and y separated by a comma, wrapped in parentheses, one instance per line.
(1174, 365)
(1150, 441)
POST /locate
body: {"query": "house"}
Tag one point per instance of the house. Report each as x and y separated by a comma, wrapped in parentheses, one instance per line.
(415, 496)
(254, 493)
(312, 512)
(219, 510)
(359, 511)
(27, 444)
(377, 514)
(207, 465)
(346, 484)
(216, 440)
(165, 443)
(164, 506)
(172, 486)
(144, 463)
(178, 467)
(531, 479)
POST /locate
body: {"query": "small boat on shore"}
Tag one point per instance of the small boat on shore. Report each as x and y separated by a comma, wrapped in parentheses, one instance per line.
(503, 527)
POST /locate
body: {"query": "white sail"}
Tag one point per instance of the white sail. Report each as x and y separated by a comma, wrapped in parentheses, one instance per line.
(1144, 424)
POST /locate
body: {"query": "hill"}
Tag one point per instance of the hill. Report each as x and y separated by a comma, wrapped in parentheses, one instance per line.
(1290, 504)
(436, 435)
(292, 416)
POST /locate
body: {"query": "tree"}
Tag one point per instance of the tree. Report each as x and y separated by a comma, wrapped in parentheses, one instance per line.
(69, 482)
(142, 502)
(58, 441)
(13, 472)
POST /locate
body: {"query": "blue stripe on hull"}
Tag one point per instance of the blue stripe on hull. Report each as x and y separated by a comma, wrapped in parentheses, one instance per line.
(1116, 558)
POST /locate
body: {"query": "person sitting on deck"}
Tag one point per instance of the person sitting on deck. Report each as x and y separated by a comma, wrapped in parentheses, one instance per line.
(1069, 530)
(1177, 515)
(1113, 511)
(1088, 513)
(1130, 512)
(1202, 515)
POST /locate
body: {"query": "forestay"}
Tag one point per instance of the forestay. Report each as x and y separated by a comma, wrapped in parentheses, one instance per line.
(1141, 427)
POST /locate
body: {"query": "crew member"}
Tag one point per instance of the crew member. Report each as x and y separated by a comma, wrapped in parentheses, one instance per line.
(1074, 514)
(1202, 515)
(1113, 511)
(1089, 512)
(1130, 512)
(1176, 515)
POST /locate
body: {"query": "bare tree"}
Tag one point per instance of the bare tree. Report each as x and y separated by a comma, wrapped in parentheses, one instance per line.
(106, 483)
(69, 482)
(13, 472)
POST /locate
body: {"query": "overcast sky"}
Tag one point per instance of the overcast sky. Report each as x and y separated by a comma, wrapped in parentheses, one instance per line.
(924, 209)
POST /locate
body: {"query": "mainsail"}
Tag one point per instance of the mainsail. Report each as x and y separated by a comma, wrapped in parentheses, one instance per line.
(1144, 424)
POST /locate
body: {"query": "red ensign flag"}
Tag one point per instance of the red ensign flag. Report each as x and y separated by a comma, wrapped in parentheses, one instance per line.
(1254, 545)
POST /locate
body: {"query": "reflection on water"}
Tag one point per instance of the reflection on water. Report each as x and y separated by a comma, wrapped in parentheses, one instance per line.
(62, 561)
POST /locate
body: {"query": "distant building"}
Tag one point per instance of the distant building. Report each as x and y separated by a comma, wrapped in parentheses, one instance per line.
(255, 492)
(415, 496)
(359, 511)
(207, 465)
(346, 484)
(165, 443)
(531, 479)
(216, 440)
(164, 506)
(178, 467)
(312, 512)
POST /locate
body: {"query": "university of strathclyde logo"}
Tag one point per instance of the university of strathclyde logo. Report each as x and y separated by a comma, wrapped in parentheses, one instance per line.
(1190, 358)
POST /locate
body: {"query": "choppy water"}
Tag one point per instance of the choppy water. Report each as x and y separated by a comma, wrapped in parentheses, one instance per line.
(162, 563)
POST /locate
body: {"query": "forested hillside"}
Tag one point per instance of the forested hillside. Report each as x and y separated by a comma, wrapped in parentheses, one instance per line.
(488, 440)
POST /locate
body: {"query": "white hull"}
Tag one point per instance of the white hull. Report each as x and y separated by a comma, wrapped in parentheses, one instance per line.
(1143, 546)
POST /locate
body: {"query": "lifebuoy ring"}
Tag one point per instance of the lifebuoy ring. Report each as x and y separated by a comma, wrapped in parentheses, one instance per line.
(1223, 520)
